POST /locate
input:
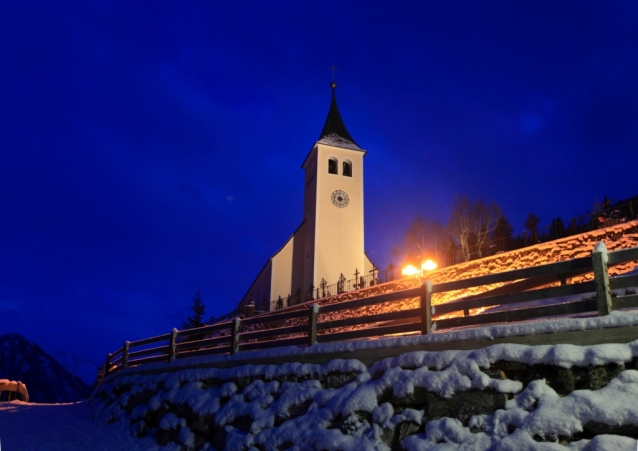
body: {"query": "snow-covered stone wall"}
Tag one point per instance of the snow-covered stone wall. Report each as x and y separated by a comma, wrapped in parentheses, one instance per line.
(502, 397)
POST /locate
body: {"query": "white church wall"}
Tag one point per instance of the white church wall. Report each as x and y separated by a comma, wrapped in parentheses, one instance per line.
(281, 277)
(339, 231)
(330, 240)
(298, 258)
(367, 265)
(310, 198)
(259, 291)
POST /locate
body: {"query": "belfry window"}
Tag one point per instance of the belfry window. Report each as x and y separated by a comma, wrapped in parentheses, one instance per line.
(332, 166)
(347, 169)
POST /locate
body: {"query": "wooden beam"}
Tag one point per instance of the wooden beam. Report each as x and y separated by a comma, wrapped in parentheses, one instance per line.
(524, 296)
(601, 279)
(629, 301)
(125, 354)
(365, 302)
(234, 341)
(623, 282)
(206, 342)
(518, 314)
(148, 341)
(150, 351)
(313, 313)
(297, 313)
(623, 255)
(278, 331)
(426, 307)
(205, 329)
(371, 332)
(171, 345)
(107, 364)
(381, 317)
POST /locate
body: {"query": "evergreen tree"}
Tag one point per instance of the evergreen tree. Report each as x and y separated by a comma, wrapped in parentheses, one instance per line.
(502, 234)
(198, 307)
(531, 223)
(557, 228)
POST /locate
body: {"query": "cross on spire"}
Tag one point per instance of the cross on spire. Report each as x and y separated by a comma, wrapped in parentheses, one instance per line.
(333, 69)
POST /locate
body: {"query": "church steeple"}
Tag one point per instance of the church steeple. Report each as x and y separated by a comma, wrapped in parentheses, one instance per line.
(334, 131)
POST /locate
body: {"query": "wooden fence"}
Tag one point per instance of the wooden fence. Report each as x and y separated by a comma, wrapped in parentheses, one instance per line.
(521, 285)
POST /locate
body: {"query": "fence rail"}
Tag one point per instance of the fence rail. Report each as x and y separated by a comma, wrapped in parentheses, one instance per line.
(314, 324)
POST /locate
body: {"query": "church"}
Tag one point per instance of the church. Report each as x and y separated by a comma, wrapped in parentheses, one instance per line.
(328, 246)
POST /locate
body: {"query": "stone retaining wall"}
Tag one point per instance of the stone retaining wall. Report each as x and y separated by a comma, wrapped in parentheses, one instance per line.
(462, 396)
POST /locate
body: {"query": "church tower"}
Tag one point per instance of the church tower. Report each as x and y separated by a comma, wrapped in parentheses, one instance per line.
(329, 242)
(333, 204)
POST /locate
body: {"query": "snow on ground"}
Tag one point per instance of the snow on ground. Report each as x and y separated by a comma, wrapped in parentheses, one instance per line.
(532, 410)
(331, 419)
(57, 427)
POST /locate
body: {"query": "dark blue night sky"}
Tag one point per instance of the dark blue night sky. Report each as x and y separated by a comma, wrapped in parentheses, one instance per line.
(151, 149)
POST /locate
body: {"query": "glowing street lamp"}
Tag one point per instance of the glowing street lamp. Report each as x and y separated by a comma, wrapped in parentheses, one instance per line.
(428, 265)
(410, 270)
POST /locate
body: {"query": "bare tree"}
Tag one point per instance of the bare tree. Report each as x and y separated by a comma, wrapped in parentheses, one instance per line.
(425, 238)
(471, 225)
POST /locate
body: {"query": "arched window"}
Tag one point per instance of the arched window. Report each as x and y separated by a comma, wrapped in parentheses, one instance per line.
(347, 169)
(332, 166)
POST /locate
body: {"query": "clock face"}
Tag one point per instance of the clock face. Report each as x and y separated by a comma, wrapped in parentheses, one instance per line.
(340, 198)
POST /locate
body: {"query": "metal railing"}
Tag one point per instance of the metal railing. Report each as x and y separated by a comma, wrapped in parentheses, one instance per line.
(388, 275)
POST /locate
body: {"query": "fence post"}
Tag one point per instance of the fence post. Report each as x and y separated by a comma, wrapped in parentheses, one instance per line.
(171, 345)
(313, 313)
(107, 364)
(426, 307)
(234, 339)
(601, 279)
(125, 354)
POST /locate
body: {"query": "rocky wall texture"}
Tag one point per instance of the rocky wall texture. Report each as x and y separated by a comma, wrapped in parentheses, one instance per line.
(500, 397)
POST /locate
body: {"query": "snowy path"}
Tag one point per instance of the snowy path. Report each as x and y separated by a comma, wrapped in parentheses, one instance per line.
(59, 427)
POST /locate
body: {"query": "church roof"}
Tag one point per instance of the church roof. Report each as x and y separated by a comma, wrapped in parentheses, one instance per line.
(334, 131)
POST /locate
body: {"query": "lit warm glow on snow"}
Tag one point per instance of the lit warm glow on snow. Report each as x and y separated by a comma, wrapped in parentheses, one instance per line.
(428, 265)
(409, 270)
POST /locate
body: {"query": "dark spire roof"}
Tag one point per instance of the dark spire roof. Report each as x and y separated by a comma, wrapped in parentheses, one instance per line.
(334, 132)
